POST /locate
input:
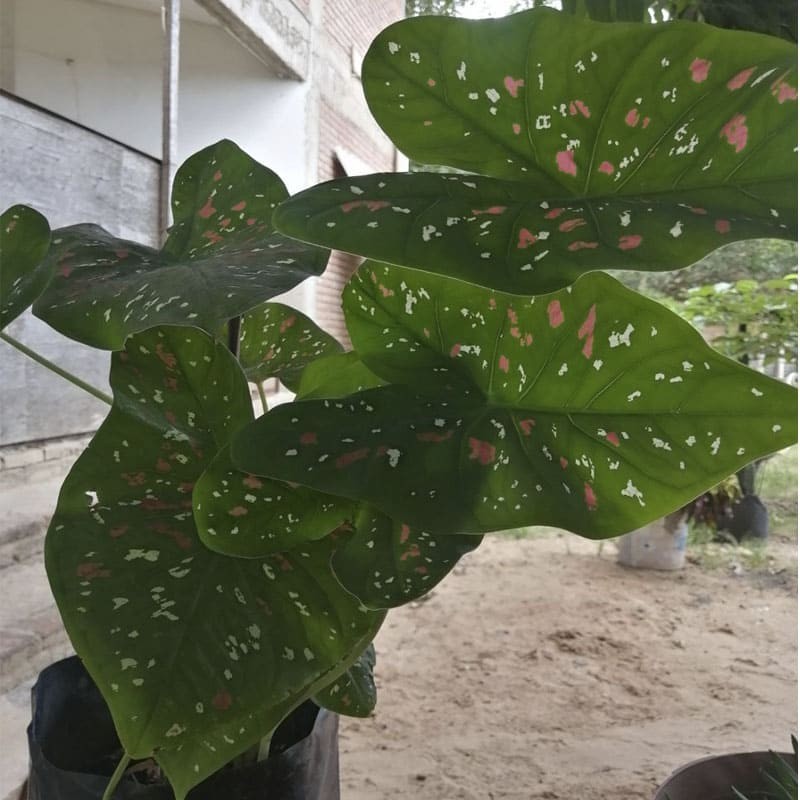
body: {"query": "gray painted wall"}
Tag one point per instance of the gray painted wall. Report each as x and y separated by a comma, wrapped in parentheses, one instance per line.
(71, 175)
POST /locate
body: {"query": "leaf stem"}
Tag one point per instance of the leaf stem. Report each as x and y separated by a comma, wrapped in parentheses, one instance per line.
(68, 376)
(263, 396)
(113, 782)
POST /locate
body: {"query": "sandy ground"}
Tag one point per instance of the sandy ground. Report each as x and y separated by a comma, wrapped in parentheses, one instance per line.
(537, 673)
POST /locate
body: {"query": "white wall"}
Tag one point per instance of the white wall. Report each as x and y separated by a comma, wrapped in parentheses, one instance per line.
(100, 65)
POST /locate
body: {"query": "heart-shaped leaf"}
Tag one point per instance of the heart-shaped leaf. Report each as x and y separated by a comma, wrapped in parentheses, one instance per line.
(353, 693)
(593, 409)
(631, 146)
(222, 257)
(336, 375)
(24, 240)
(387, 563)
(198, 655)
(240, 514)
(277, 341)
(383, 562)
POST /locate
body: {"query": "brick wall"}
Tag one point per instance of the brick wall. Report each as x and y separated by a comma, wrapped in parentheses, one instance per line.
(344, 121)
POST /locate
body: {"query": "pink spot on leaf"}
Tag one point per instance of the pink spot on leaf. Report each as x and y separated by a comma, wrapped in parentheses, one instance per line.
(237, 511)
(554, 213)
(784, 91)
(91, 570)
(581, 245)
(722, 226)
(555, 314)
(570, 224)
(207, 210)
(590, 497)
(412, 552)
(427, 123)
(308, 438)
(502, 364)
(586, 331)
(740, 79)
(630, 241)
(252, 482)
(735, 131)
(386, 292)
(513, 85)
(350, 458)
(563, 461)
(431, 82)
(579, 107)
(370, 205)
(493, 210)
(405, 532)
(613, 438)
(526, 239)
(698, 211)
(240, 206)
(434, 436)
(632, 118)
(287, 323)
(526, 425)
(606, 167)
(699, 69)
(565, 159)
(455, 350)
(480, 451)
(222, 701)
(217, 176)
(517, 128)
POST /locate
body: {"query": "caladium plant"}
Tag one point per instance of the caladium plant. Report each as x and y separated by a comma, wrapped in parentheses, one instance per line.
(215, 570)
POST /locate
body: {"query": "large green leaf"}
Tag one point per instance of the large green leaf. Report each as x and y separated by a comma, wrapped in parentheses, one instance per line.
(386, 563)
(277, 341)
(240, 514)
(222, 257)
(593, 409)
(24, 239)
(353, 693)
(198, 655)
(336, 375)
(632, 146)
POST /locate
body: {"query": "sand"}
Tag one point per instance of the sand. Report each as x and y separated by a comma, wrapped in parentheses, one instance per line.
(534, 672)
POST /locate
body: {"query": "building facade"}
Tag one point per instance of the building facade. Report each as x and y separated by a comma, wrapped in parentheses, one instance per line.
(84, 97)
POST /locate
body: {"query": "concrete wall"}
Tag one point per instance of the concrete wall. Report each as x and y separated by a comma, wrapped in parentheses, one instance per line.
(71, 175)
(100, 65)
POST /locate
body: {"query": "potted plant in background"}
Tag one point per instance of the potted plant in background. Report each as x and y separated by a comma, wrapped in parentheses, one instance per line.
(214, 571)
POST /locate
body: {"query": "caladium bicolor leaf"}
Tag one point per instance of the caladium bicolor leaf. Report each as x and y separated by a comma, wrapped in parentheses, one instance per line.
(240, 514)
(336, 375)
(24, 241)
(353, 693)
(198, 655)
(387, 563)
(592, 409)
(631, 146)
(277, 341)
(222, 258)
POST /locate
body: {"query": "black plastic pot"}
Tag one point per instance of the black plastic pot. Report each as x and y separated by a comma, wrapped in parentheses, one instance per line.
(749, 519)
(74, 749)
(712, 778)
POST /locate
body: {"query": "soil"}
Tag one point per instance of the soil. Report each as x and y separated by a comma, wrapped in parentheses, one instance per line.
(541, 669)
